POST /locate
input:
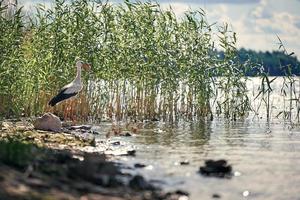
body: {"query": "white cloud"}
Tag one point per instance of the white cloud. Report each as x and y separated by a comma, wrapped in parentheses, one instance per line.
(178, 8)
(260, 11)
(257, 26)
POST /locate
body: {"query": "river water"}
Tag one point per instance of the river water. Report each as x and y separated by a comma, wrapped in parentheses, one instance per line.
(264, 155)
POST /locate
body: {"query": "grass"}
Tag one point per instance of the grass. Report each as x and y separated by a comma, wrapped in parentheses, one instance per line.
(147, 63)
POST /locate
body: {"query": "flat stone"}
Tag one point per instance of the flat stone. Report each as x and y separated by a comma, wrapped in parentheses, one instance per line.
(139, 165)
(82, 127)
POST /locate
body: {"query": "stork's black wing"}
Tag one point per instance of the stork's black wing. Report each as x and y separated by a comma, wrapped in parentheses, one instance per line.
(61, 96)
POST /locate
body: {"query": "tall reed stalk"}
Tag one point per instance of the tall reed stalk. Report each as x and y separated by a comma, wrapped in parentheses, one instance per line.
(147, 63)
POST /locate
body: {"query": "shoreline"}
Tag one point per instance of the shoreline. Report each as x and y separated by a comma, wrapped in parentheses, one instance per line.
(45, 165)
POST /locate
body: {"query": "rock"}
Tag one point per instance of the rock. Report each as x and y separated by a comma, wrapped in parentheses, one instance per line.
(48, 122)
(126, 134)
(178, 195)
(139, 183)
(216, 196)
(116, 143)
(155, 119)
(80, 127)
(184, 162)
(182, 193)
(139, 165)
(218, 168)
(131, 152)
(94, 132)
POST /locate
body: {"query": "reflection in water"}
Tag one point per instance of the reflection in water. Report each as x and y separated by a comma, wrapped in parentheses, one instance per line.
(265, 156)
(266, 162)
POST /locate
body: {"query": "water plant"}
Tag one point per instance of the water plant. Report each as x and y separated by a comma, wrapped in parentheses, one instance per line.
(147, 62)
(289, 88)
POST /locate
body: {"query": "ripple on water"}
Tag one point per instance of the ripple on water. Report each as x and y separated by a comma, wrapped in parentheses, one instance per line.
(267, 162)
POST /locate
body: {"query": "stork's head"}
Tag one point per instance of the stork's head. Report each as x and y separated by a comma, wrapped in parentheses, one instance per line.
(84, 65)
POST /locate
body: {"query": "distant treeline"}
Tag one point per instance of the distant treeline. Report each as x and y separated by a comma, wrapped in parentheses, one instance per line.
(275, 63)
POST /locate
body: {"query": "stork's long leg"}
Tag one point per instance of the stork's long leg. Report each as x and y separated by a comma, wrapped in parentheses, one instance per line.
(67, 110)
(72, 110)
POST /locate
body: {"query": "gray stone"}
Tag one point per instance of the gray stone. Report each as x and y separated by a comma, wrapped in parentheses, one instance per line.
(48, 122)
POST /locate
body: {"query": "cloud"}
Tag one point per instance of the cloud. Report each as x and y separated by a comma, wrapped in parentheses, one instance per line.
(261, 11)
(265, 29)
(178, 8)
(263, 20)
(258, 25)
(29, 6)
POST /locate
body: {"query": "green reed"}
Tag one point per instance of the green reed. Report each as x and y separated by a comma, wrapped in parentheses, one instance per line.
(147, 63)
(288, 89)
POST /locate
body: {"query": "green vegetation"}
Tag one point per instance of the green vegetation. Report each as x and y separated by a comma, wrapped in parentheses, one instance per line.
(274, 63)
(147, 63)
(16, 153)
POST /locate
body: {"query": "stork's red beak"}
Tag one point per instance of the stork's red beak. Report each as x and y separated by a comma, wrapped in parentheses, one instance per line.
(86, 66)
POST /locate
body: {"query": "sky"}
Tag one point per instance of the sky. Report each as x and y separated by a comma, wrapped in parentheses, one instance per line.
(256, 22)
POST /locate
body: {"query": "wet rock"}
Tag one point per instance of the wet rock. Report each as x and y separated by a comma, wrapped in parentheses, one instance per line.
(216, 196)
(182, 193)
(218, 168)
(139, 165)
(116, 143)
(184, 162)
(139, 183)
(106, 180)
(97, 170)
(131, 152)
(114, 182)
(94, 132)
(125, 134)
(48, 122)
(154, 119)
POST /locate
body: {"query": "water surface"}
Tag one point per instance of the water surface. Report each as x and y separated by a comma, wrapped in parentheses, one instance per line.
(265, 156)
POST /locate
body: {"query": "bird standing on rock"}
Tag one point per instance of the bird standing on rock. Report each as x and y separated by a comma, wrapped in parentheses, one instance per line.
(73, 88)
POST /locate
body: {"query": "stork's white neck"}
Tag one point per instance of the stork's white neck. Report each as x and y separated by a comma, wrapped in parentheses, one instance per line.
(78, 76)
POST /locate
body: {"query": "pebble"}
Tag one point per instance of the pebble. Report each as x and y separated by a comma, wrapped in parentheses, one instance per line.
(139, 165)
(218, 168)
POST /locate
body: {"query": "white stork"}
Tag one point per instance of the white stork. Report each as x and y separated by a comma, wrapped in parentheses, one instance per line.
(73, 88)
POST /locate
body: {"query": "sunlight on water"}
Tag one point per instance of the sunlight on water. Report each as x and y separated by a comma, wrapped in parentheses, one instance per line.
(264, 156)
